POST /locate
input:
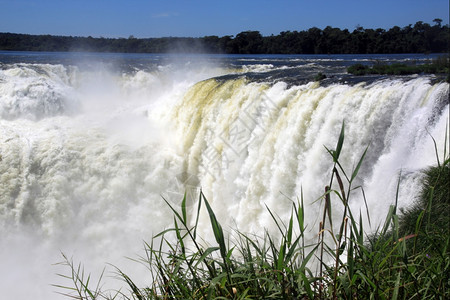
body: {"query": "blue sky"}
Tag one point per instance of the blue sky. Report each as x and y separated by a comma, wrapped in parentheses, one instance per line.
(196, 18)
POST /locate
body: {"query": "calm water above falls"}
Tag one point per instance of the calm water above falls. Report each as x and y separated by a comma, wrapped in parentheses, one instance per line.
(90, 143)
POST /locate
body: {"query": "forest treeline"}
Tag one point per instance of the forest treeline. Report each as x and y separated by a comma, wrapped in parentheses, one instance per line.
(418, 38)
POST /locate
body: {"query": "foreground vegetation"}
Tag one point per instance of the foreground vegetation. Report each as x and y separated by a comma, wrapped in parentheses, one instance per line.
(420, 38)
(406, 258)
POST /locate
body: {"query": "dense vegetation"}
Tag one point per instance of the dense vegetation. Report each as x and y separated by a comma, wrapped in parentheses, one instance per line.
(420, 38)
(407, 258)
(439, 65)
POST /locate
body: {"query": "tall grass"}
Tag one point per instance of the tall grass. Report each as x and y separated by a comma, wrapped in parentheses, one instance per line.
(406, 258)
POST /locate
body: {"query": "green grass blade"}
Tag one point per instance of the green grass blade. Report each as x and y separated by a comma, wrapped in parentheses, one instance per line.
(340, 143)
(366, 206)
(162, 233)
(205, 254)
(361, 231)
(217, 229)
(183, 209)
(174, 211)
(275, 220)
(280, 260)
(198, 214)
(290, 229)
(307, 286)
(397, 286)
(350, 257)
(179, 238)
(308, 257)
(358, 166)
(301, 214)
(292, 249)
(388, 220)
(436, 149)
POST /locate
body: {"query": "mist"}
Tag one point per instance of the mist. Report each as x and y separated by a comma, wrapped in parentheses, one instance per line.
(90, 148)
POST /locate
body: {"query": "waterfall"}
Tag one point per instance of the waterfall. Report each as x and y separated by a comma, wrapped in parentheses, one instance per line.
(87, 155)
(257, 144)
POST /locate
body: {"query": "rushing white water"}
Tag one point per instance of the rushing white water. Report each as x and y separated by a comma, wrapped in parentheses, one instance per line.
(253, 144)
(87, 155)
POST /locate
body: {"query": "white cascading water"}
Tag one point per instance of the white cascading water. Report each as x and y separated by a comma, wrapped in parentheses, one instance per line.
(88, 155)
(254, 144)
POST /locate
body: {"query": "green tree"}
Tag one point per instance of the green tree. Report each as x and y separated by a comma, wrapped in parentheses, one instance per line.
(249, 42)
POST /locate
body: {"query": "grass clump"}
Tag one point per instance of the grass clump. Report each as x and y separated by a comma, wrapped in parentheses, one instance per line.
(430, 212)
(320, 76)
(397, 262)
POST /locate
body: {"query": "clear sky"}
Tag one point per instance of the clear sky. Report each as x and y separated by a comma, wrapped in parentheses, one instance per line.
(197, 18)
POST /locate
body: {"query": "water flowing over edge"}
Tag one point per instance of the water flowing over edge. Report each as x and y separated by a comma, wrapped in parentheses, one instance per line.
(86, 157)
